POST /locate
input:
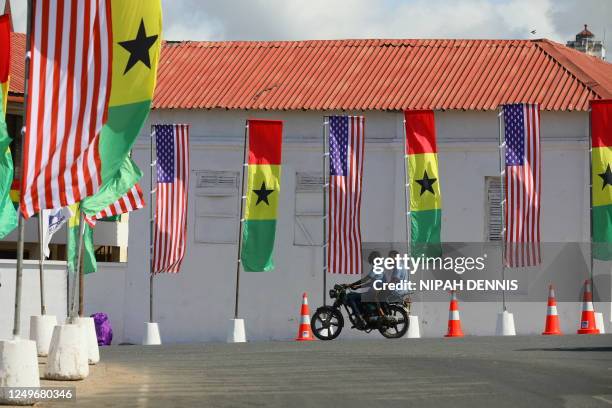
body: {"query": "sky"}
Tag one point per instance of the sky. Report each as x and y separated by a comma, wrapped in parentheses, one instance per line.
(219, 20)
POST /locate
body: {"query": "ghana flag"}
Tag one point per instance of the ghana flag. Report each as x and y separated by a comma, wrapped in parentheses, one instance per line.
(5, 57)
(8, 214)
(601, 176)
(422, 165)
(263, 188)
(136, 28)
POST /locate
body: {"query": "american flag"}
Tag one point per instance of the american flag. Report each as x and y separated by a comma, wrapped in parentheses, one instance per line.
(523, 182)
(170, 238)
(130, 201)
(70, 81)
(346, 149)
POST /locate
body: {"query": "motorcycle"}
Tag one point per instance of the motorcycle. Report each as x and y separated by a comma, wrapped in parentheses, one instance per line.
(328, 321)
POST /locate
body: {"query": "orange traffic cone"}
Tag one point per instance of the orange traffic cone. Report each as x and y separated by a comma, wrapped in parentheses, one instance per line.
(454, 321)
(304, 331)
(587, 321)
(552, 318)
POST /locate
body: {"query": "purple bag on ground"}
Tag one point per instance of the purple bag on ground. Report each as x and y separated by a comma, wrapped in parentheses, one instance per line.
(104, 331)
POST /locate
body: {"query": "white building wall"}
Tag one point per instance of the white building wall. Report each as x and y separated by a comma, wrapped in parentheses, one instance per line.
(55, 283)
(196, 304)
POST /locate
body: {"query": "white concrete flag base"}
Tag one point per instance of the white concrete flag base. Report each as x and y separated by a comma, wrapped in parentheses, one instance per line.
(90, 338)
(18, 368)
(68, 355)
(41, 330)
(599, 323)
(414, 332)
(236, 333)
(151, 336)
(505, 324)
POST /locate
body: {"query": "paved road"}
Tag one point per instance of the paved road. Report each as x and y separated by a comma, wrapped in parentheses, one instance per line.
(572, 371)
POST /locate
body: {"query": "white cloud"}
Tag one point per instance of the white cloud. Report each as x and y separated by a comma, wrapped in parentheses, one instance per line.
(558, 20)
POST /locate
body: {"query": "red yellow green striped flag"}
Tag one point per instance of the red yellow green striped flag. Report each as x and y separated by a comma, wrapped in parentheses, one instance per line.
(8, 214)
(136, 31)
(601, 176)
(5, 57)
(262, 195)
(425, 201)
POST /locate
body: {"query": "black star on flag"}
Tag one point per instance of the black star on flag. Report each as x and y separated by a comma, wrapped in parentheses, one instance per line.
(139, 48)
(262, 194)
(426, 183)
(606, 176)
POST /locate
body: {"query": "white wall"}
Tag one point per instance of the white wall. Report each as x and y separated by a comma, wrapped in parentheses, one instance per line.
(55, 283)
(196, 304)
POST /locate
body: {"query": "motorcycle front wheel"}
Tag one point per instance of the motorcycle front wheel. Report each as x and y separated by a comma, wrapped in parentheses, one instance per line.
(399, 322)
(327, 323)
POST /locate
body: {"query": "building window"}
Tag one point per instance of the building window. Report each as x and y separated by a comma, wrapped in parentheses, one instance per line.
(57, 252)
(308, 225)
(216, 207)
(110, 235)
(493, 210)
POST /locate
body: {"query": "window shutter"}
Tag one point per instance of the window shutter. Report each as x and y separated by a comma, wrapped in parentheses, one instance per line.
(493, 210)
(216, 206)
(217, 179)
(311, 182)
(308, 226)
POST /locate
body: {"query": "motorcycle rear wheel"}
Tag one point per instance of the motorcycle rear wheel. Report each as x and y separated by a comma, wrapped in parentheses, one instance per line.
(399, 329)
(327, 323)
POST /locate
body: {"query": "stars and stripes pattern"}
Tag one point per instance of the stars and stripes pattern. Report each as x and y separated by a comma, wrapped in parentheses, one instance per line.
(69, 81)
(170, 237)
(346, 150)
(131, 201)
(523, 184)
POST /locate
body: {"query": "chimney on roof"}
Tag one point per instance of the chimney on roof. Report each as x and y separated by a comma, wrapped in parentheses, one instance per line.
(585, 33)
(586, 43)
(7, 10)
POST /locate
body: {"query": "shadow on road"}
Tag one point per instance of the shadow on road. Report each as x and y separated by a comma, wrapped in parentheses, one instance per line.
(569, 349)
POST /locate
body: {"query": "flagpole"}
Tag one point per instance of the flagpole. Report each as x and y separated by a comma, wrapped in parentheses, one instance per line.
(81, 266)
(151, 223)
(68, 289)
(20, 222)
(41, 266)
(502, 200)
(407, 211)
(591, 199)
(76, 281)
(242, 198)
(325, 191)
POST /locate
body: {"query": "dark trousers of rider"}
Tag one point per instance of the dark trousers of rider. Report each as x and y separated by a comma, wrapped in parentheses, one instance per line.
(353, 299)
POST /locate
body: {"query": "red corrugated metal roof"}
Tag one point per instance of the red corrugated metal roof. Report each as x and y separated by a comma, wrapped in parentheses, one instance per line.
(17, 64)
(372, 75)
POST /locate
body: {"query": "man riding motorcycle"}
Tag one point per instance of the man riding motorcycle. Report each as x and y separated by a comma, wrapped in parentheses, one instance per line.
(354, 298)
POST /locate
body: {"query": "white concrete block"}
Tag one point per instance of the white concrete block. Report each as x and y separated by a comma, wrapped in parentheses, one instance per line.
(18, 368)
(41, 331)
(236, 333)
(68, 355)
(505, 324)
(151, 336)
(414, 331)
(599, 323)
(90, 338)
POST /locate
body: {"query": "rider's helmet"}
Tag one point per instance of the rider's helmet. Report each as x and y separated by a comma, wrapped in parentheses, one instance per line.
(373, 255)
